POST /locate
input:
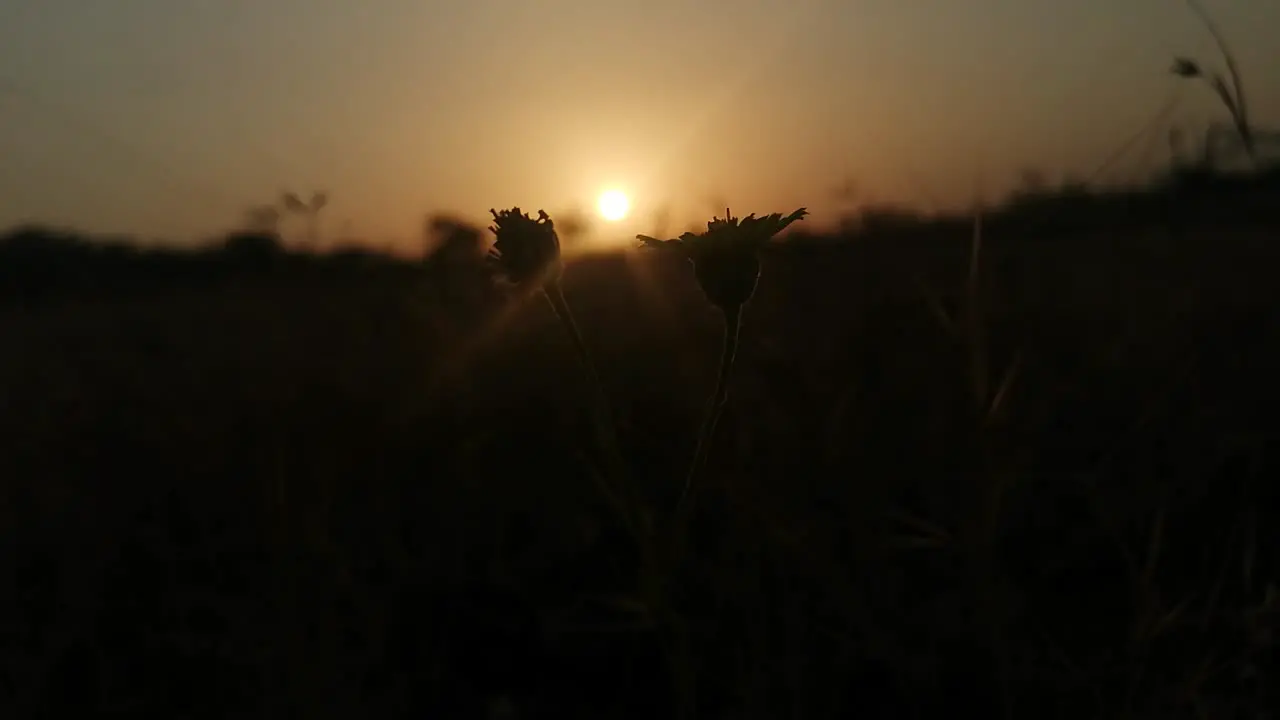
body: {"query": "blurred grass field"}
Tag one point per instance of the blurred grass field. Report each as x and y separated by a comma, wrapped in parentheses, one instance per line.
(343, 487)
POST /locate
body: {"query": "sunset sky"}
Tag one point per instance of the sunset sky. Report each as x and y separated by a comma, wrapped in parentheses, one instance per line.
(169, 118)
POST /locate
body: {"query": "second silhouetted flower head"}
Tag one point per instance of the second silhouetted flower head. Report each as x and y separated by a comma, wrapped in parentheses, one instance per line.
(526, 249)
(726, 257)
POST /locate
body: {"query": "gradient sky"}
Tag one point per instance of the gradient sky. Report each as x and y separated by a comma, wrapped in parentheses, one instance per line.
(170, 117)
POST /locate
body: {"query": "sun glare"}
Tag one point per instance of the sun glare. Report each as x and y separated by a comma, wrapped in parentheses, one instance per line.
(613, 205)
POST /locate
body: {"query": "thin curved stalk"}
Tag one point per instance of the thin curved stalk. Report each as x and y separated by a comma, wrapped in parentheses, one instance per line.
(732, 333)
(603, 422)
(654, 578)
(1234, 98)
(681, 652)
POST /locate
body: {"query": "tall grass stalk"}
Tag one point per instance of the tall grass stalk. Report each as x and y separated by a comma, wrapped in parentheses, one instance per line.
(528, 253)
(732, 333)
(991, 479)
(655, 575)
(1232, 96)
(656, 569)
(726, 264)
(616, 487)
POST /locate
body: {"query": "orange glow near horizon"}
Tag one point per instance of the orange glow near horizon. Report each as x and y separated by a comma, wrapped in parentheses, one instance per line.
(226, 105)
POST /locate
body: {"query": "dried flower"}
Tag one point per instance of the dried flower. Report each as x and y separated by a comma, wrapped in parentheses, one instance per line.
(527, 252)
(726, 262)
(726, 257)
(526, 249)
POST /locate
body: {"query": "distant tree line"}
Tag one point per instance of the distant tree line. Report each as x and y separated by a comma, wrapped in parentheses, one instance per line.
(40, 262)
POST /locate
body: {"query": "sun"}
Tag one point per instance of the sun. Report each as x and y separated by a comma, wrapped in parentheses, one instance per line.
(613, 205)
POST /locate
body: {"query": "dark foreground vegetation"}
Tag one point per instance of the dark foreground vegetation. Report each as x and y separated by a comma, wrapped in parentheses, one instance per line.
(245, 482)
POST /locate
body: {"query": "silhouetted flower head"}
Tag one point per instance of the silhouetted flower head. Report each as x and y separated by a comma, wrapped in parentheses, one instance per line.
(1186, 67)
(526, 249)
(726, 257)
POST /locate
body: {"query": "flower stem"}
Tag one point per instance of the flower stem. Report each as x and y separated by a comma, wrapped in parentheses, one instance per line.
(732, 331)
(603, 422)
(1234, 98)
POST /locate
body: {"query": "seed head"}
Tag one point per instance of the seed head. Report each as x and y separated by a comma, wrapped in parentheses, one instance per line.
(525, 249)
(726, 257)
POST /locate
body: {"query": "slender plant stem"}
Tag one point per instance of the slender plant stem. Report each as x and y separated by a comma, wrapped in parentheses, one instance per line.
(681, 653)
(654, 578)
(1234, 98)
(732, 332)
(603, 422)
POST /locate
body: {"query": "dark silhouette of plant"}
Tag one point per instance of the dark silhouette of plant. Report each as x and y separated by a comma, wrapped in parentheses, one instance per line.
(1231, 94)
(527, 253)
(262, 219)
(726, 263)
(310, 210)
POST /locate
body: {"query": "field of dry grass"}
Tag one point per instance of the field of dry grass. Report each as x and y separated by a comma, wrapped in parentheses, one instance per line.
(349, 492)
